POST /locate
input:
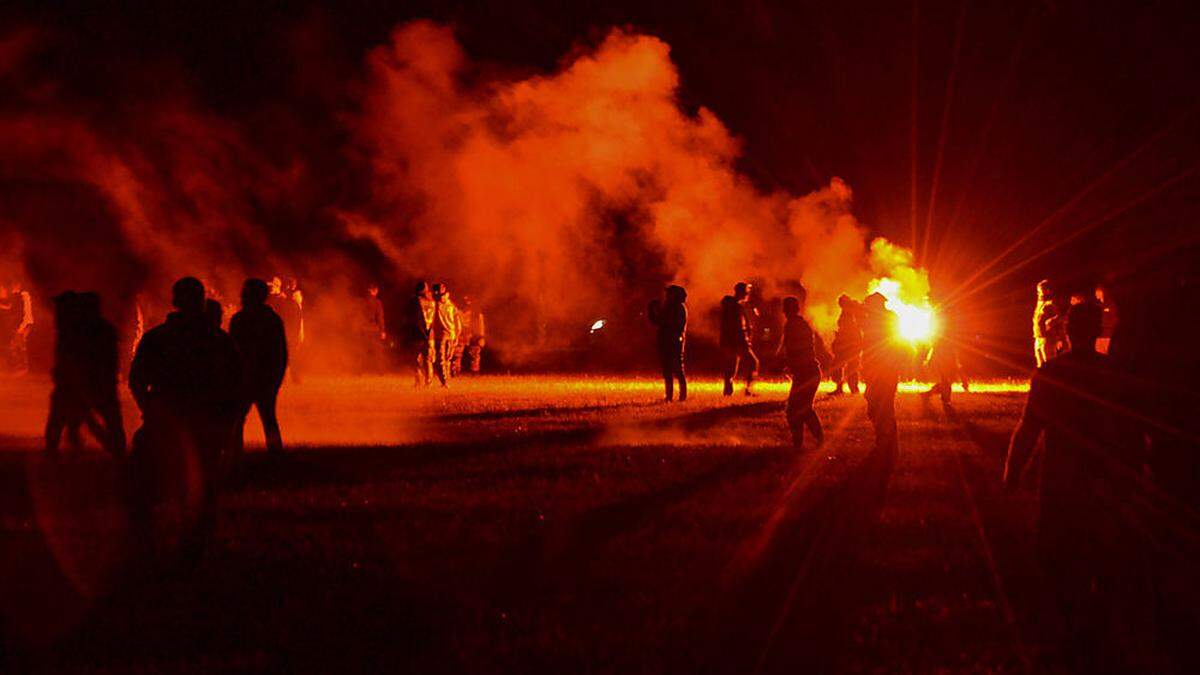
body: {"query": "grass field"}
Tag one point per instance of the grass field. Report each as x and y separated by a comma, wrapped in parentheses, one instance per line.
(542, 525)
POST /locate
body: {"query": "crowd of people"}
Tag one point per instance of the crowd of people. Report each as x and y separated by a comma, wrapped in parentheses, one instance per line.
(439, 338)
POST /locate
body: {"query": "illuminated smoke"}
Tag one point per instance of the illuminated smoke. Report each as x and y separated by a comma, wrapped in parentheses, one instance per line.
(570, 186)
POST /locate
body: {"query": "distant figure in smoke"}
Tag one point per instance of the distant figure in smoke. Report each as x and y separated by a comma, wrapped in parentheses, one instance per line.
(1092, 458)
(261, 338)
(881, 363)
(186, 378)
(671, 316)
(1108, 322)
(373, 329)
(736, 347)
(804, 353)
(468, 354)
(1048, 324)
(85, 375)
(287, 302)
(16, 322)
(447, 326)
(419, 318)
(847, 346)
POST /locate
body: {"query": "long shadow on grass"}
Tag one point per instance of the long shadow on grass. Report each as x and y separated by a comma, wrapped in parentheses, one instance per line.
(358, 465)
(789, 613)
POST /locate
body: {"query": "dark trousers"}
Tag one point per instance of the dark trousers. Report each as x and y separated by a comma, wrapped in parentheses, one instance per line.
(734, 358)
(264, 399)
(845, 370)
(70, 410)
(881, 409)
(670, 357)
(799, 411)
(424, 357)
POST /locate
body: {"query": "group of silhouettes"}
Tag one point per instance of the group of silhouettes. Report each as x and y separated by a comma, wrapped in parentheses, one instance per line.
(865, 343)
(194, 383)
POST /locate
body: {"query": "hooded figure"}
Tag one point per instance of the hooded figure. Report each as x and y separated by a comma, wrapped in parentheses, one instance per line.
(736, 346)
(671, 318)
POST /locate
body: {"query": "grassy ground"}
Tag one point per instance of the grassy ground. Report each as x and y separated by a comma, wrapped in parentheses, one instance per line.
(539, 525)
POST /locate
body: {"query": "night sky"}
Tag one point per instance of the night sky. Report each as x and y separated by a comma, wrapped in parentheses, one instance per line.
(1019, 109)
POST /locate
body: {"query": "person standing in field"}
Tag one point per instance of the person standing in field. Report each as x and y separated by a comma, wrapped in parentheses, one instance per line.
(1094, 456)
(1108, 322)
(881, 363)
(671, 316)
(736, 347)
(804, 353)
(262, 340)
(847, 346)
(418, 319)
(186, 379)
(446, 329)
(1048, 319)
(373, 330)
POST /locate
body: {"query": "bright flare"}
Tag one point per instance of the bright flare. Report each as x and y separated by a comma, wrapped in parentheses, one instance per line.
(917, 321)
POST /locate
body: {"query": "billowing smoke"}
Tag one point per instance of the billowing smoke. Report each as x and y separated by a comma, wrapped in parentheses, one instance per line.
(551, 198)
(575, 187)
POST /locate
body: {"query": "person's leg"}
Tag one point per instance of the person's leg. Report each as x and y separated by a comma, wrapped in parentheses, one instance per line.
(441, 361)
(55, 421)
(109, 409)
(838, 372)
(681, 375)
(731, 367)
(751, 368)
(265, 402)
(793, 411)
(945, 388)
(853, 365)
(809, 417)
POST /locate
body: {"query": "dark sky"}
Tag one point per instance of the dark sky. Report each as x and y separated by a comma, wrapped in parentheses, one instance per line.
(1045, 99)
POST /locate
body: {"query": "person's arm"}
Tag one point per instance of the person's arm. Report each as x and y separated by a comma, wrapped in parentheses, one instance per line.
(26, 312)
(138, 386)
(824, 358)
(1025, 437)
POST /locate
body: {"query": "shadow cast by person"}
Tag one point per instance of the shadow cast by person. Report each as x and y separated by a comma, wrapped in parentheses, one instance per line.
(186, 379)
(85, 376)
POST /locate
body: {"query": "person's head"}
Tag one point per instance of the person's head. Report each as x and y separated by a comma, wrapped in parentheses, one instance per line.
(466, 302)
(1101, 293)
(440, 292)
(846, 303)
(1045, 290)
(213, 313)
(791, 306)
(1084, 325)
(276, 285)
(675, 293)
(372, 291)
(187, 295)
(875, 302)
(290, 284)
(254, 292)
(421, 289)
(741, 290)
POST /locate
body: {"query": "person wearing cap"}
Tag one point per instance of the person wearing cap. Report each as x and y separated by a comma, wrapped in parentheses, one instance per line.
(737, 349)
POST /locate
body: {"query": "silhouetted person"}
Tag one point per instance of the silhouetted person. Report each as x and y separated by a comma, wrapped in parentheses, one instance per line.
(186, 378)
(804, 353)
(1092, 452)
(942, 361)
(372, 330)
(262, 340)
(419, 317)
(671, 317)
(736, 347)
(469, 351)
(847, 346)
(881, 363)
(447, 325)
(85, 375)
(1048, 324)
